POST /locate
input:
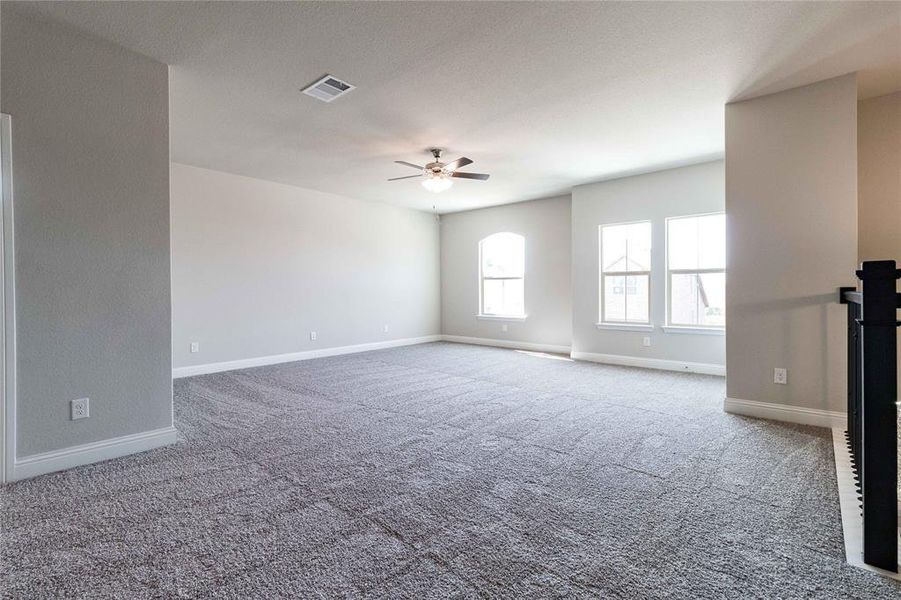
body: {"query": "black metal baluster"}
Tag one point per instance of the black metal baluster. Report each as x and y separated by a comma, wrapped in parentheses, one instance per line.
(856, 375)
(852, 383)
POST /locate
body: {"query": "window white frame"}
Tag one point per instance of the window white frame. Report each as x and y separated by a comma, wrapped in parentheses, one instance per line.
(483, 278)
(671, 326)
(603, 323)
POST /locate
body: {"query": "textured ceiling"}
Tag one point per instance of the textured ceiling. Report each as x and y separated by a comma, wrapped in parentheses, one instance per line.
(541, 95)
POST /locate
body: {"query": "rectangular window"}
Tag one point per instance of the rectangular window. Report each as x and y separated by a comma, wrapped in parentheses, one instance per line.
(625, 275)
(696, 271)
(502, 273)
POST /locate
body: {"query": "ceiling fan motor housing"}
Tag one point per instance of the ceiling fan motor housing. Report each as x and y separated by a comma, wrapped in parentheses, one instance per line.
(437, 167)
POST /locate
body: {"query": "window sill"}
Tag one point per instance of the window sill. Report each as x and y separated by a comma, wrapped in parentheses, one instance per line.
(501, 318)
(694, 330)
(624, 327)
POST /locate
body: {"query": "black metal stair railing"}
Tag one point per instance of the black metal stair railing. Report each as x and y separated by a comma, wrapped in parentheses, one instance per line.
(872, 406)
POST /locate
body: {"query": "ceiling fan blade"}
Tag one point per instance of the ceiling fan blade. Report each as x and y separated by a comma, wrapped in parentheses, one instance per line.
(479, 176)
(407, 177)
(460, 162)
(402, 162)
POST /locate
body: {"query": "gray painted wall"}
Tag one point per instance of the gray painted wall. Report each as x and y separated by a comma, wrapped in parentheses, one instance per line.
(791, 205)
(879, 178)
(684, 191)
(879, 182)
(546, 227)
(91, 174)
(257, 265)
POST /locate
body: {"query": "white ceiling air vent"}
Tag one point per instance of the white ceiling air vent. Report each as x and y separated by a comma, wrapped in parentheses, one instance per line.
(328, 88)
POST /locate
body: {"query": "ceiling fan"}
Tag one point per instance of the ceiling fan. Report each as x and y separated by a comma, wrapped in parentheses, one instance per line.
(438, 175)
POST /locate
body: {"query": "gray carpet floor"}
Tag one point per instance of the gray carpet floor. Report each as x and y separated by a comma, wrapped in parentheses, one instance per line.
(444, 471)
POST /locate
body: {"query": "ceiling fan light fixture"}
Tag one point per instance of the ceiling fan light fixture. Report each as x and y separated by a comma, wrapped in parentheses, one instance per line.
(438, 175)
(437, 182)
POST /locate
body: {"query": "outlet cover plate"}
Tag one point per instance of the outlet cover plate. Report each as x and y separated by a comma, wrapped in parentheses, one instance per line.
(780, 376)
(80, 408)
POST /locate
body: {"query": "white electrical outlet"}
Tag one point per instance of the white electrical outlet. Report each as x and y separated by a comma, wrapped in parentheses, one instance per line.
(195, 347)
(504, 327)
(312, 336)
(80, 408)
(780, 376)
(385, 328)
(646, 341)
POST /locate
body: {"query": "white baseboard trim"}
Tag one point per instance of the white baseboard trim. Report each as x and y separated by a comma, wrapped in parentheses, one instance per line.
(652, 363)
(852, 521)
(783, 412)
(76, 456)
(460, 339)
(261, 361)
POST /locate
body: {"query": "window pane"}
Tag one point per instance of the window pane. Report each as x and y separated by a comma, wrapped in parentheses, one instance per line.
(626, 299)
(682, 240)
(697, 242)
(614, 298)
(698, 299)
(712, 242)
(626, 247)
(503, 255)
(637, 299)
(493, 296)
(503, 297)
(513, 297)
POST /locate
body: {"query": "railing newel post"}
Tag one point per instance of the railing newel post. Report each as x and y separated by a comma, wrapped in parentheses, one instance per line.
(878, 458)
(872, 433)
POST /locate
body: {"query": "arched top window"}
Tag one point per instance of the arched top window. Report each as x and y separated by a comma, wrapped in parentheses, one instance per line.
(502, 262)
